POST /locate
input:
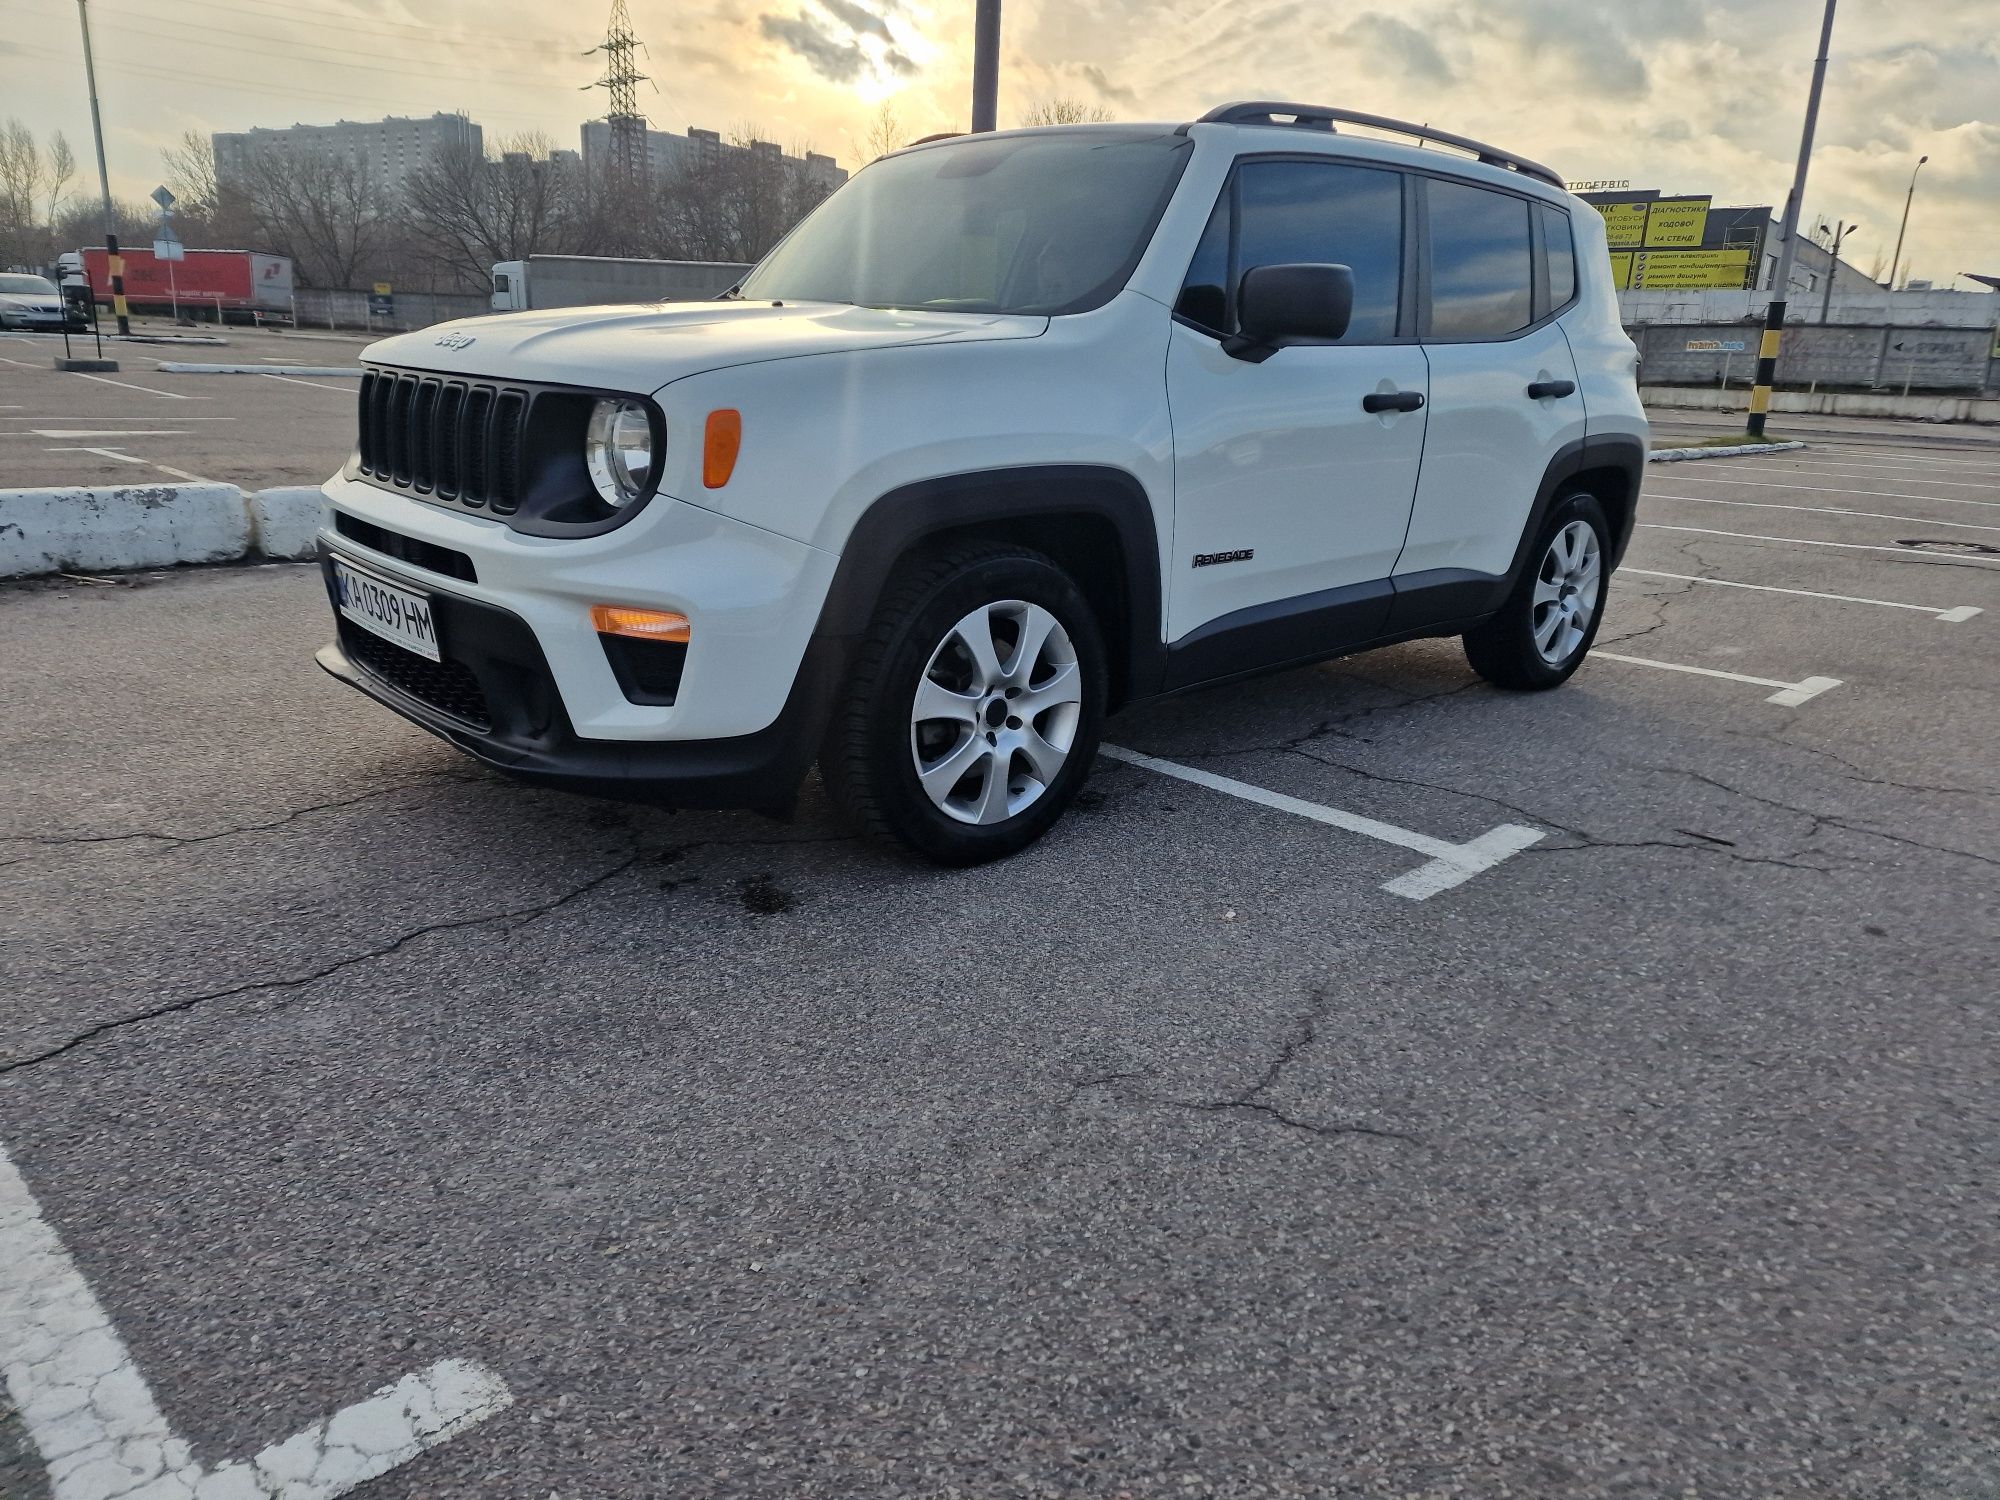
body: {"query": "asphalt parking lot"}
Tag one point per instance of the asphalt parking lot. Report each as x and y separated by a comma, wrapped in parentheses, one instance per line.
(1198, 1151)
(138, 425)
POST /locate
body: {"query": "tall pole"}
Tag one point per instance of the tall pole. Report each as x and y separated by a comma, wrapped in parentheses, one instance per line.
(1840, 228)
(1903, 228)
(1774, 315)
(115, 263)
(986, 66)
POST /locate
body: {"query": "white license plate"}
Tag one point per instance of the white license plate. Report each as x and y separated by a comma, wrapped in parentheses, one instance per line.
(395, 614)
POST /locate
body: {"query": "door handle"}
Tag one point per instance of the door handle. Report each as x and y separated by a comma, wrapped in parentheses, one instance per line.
(1544, 388)
(1379, 401)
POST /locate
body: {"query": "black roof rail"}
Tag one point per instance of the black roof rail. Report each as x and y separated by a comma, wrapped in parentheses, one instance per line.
(1322, 117)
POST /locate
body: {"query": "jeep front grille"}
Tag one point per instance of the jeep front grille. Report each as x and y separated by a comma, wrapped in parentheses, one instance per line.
(456, 439)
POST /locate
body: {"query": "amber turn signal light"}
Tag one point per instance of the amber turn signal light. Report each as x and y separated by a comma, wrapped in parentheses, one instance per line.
(721, 442)
(640, 624)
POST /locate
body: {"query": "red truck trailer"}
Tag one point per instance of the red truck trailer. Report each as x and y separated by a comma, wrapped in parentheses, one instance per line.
(215, 281)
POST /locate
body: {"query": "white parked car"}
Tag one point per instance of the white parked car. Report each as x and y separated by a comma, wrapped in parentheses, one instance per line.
(35, 304)
(1013, 430)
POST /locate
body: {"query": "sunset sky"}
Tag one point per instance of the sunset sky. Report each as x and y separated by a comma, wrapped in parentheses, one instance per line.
(1674, 94)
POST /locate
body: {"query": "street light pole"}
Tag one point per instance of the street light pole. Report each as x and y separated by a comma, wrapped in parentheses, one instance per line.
(1897, 258)
(986, 66)
(1840, 232)
(1774, 314)
(114, 262)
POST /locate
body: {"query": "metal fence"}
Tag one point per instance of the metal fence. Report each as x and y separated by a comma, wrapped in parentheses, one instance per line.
(1889, 358)
(321, 307)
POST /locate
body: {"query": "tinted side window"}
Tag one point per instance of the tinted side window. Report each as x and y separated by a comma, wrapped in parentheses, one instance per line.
(1324, 211)
(1305, 211)
(1204, 296)
(1482, 271)
(1562, 256)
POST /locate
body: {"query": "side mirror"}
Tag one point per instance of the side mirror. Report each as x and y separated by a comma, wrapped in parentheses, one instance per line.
(1277, 305)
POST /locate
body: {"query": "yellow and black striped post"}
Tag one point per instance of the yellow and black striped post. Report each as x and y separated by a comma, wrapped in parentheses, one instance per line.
(1781, 278)
(115, 267)
(1767, 365)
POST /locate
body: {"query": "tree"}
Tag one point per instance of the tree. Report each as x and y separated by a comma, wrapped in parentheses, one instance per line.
(467, 211)
(885, 133)
(324, 211)
(1063, 110)
(23, 177)
(735, 203)
(62, 167)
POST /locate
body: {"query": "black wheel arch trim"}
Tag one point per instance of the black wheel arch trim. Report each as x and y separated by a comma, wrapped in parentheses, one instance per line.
(908, 516)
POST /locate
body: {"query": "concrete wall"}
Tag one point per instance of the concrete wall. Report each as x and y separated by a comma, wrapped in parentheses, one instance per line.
(1926, 359)
(1903, 309)
(1827, 403)
(318, 307)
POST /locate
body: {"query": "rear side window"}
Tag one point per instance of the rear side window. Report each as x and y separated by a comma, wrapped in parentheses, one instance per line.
(1482, 267)
(1562, 256)
(1301, 211)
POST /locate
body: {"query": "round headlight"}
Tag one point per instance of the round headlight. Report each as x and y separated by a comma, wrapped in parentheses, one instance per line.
(618, 451)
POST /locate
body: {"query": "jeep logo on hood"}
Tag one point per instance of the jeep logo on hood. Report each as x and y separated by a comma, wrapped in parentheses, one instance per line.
(456, 340)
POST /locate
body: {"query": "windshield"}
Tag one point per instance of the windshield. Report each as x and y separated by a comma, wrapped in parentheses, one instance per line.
(26, 286)
(1044, 223)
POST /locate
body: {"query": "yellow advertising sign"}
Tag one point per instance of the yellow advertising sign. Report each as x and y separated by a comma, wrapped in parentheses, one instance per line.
(1676, 223)
(1624, 224)
(1687, 269)
(1621, 269)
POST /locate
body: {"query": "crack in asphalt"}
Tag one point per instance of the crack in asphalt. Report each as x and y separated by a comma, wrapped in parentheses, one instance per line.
(515, 918)
(1819, 820)
(1303, 1033)
(1696, 843)
(1858, 772)
(520, 916)
(62, 840)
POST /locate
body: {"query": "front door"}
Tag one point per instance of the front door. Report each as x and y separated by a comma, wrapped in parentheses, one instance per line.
(1291, 498)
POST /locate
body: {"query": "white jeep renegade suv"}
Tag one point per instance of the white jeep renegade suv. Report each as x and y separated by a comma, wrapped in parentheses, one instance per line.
(1013, 430)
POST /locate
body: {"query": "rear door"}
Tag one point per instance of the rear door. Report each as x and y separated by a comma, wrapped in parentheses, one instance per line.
(1503, 393)
(1286, 489)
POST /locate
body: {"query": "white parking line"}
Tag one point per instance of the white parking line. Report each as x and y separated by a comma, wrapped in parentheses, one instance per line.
(197, 479)
(1951, 616)
(293, 380)
(1790, 694)
(127, 385)
(1820, 489)
(102, 1434)
(1856, 470)
(123, 458)
(1826, 510)
(1449, 864)
(1799, 541)
(80, 432)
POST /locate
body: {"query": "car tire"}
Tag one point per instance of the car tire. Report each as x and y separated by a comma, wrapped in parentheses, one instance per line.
(1541, 635)
(973, 708)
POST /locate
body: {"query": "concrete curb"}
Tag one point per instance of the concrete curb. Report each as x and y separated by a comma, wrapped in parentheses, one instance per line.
(76, 529)
(1736, 450)
(183, 367)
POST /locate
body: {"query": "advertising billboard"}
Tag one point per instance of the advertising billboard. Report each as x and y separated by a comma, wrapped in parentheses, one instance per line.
(1680, 243)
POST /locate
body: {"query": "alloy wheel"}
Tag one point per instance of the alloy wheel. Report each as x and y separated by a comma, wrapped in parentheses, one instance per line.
(996, 712)
(1567, 587)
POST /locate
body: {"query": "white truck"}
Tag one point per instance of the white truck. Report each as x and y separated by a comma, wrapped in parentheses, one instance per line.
(598, 280)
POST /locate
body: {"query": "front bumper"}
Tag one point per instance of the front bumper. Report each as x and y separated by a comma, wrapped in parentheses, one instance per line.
(495, 698)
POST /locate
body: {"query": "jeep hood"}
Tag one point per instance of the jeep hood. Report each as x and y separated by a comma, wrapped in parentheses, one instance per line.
(641, 348)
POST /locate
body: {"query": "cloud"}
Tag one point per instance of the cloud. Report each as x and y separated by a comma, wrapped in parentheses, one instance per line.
(1405, 48)
(834, 60)
(899, 61)
(1116, 92)
(857, 18)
